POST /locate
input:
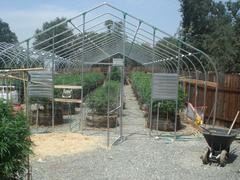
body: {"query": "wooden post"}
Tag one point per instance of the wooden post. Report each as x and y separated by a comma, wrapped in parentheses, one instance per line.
(233, 122)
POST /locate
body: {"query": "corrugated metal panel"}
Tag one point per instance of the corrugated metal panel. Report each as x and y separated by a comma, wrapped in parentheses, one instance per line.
(164, 86)
(40, 84)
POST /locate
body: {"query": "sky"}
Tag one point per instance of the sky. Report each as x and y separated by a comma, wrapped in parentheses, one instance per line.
(25, 16)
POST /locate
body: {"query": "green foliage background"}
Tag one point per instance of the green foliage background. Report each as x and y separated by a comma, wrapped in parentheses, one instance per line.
(6, 35)
(15, 145)
(98, 99)
(214, 27)
(141, 83)
(90, 81)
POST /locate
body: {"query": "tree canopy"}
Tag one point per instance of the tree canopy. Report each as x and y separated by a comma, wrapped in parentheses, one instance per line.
(6, 35)
(44, 41)
(213, 27)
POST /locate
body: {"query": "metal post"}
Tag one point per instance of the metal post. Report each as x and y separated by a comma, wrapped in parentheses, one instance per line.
(122, 77)
(26, 98)
(83, 43)
(176, 108)
(11, 98)
(157, 116)
(53, 69)
(196, 91)
(27, 101)
(204, 99)
(151, 105)
(7, 91)
(81, 105)
(37, 115)
(188, 95)
(69, 116)
(108, 106)
(119, 103)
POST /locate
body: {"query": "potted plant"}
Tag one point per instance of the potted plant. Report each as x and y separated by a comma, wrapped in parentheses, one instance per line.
(97, 101)
(41, 111)
(141, 83)
(91, 80)
(167, 113)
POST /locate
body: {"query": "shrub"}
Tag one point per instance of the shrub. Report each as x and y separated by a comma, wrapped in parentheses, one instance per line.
(115, 74)
(141, 83)
(90, 81)
(15, 145)
(98, 99)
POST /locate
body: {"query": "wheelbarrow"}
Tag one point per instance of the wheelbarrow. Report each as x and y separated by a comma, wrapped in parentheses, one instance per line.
(219, 142)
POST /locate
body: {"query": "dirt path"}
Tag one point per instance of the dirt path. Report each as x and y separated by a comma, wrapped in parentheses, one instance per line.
(133, 119)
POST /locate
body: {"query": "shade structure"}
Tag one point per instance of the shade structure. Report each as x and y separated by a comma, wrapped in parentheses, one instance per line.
(103, 32)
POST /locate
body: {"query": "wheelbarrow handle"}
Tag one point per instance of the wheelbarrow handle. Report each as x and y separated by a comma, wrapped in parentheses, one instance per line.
(233, 122)
(206, 129)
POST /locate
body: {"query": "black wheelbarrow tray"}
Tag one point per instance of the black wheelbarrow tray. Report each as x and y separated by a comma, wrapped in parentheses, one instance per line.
(219, 142)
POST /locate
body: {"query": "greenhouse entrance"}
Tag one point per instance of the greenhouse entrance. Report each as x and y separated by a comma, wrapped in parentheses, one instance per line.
(103, 112)
(105, 61)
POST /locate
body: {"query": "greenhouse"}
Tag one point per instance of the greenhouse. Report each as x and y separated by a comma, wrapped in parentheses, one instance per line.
(106, 95)
(60, 75)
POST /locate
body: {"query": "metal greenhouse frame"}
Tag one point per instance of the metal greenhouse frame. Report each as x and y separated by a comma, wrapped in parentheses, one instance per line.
(100, 34)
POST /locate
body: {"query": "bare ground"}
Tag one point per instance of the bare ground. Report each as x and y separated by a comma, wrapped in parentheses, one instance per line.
(139, 157)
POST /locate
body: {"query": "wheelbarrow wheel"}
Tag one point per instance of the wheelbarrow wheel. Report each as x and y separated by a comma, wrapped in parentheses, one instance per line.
(205, 156)
(223, 158)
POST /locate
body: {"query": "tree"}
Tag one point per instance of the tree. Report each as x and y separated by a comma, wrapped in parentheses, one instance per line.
(108, 23)
(212, 27)
(234, 10)
(115, 27)
(62, 34)
(6, 35)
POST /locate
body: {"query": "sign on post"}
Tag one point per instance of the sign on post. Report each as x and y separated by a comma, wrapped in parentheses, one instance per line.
(40, 84)
(164, 86)
(118, 62)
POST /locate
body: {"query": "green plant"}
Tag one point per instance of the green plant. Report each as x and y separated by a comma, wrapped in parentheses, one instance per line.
(98, 99)
(90, 81)
(15, 145)
(115, 74)
(141, 83)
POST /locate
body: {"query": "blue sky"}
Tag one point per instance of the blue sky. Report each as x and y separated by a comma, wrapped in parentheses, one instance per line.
(25, 16)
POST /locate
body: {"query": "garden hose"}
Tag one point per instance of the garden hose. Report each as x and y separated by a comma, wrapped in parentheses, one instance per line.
(169, 138)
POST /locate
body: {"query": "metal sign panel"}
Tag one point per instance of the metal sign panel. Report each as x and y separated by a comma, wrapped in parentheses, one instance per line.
(117, 62)
(41, 83)
(164, 86)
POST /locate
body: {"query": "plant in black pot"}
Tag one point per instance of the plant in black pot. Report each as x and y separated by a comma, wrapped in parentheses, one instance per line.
(97, 101)
(167, 108)
(41, 111)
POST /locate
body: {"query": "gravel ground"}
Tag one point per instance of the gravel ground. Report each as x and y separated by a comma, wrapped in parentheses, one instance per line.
(138, 157)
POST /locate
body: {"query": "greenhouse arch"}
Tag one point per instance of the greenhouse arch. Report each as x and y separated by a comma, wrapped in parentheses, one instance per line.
(97, 35)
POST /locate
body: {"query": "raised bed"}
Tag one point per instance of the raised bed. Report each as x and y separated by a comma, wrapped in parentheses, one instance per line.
(97, 101)
(45, 117)
(101, 121)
